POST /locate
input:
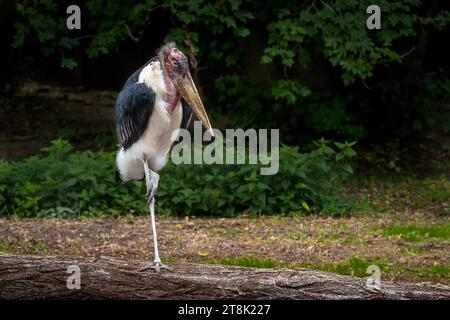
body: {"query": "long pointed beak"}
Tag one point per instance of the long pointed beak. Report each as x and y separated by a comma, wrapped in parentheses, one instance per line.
(188, 91)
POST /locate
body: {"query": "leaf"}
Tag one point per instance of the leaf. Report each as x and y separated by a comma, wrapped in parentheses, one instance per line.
(305, 205)
(242, 32)
(347, 168)
(68, 63)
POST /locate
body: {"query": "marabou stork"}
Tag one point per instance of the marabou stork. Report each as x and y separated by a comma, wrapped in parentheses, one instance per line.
(155, 101)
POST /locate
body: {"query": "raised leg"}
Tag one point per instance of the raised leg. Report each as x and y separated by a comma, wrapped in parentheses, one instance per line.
(151, 180)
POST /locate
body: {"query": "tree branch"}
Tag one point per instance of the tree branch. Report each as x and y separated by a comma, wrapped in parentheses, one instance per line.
(43, 277)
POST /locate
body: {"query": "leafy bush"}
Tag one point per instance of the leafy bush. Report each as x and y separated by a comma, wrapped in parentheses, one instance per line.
(67, 183)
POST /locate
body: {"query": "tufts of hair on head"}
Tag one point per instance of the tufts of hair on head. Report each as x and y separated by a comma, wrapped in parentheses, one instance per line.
(163, 51)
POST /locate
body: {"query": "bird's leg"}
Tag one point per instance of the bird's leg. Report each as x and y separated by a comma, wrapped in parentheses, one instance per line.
(157, 264)
(151, 180)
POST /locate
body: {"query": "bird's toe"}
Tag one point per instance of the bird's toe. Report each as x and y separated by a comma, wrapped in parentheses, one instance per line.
(156, 265)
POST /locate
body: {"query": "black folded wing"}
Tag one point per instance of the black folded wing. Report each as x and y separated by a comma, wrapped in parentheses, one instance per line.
(134, 106)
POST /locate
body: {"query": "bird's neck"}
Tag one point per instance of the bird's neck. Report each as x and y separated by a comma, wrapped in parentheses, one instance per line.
(173, 101)
(173, 96)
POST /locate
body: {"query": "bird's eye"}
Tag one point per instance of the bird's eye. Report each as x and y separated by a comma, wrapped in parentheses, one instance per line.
(175, 63)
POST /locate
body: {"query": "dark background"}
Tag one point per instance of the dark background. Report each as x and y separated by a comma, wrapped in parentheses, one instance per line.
(401, 99)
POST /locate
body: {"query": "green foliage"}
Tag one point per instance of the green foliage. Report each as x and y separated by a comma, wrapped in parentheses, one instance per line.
(43, 20)
(305, 61)
(65, 183)
(305, 184)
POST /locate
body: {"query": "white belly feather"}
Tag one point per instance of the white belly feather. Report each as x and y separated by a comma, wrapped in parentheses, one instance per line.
(156, 140)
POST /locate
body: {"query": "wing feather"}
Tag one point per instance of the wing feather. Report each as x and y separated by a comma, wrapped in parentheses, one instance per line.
(134, 106)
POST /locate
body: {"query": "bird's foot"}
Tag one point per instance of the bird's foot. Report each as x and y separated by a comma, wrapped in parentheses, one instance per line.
(155, 265)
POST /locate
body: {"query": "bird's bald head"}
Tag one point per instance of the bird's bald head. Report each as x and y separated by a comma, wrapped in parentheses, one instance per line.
(175, 63)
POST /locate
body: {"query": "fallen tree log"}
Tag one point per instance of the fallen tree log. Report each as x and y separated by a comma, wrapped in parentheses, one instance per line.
(43, 277)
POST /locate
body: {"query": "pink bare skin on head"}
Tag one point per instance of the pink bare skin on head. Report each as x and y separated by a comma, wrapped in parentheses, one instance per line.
(176, 64)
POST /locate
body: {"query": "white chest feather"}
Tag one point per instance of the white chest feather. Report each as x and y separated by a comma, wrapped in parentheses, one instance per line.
(158, 137)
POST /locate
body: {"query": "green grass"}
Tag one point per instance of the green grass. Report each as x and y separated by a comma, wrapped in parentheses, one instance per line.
(354, 266)
(38, 247)
(29, 246)
(400, 191)
(6, 247)
(419, 233)
(433, 190)
(441, 271)
(413, 251)
(170, 260)
(353, 239)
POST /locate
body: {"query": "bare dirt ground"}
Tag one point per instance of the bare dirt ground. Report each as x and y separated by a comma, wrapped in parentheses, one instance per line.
(285, 241)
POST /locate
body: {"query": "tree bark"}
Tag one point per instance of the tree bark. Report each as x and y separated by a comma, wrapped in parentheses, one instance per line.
(44, 277)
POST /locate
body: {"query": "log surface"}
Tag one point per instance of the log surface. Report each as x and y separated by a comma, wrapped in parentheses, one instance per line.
(45, 277)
